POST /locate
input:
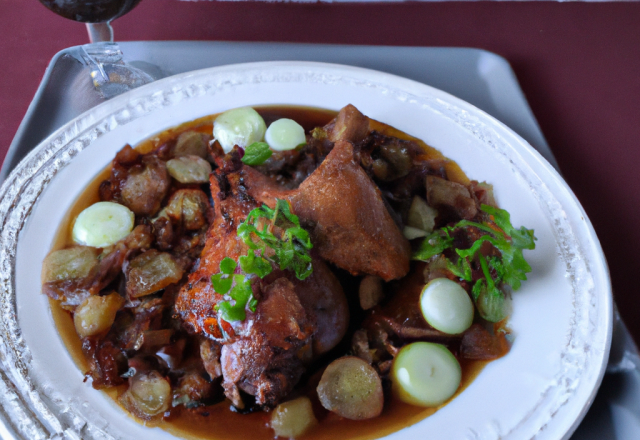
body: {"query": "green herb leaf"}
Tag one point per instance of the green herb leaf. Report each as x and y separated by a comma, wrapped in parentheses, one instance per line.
(461, 269)
(289, 250)
(227, 266)
(491, 307)
(253, 304)
(256, 154)
(489, 299)
(255, 265)
(433, 244)
(283, 217)
(241, 294)
(522, 238)
(510, 268)
(221, 283)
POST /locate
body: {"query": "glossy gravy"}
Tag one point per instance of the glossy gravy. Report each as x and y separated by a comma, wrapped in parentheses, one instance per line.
(218, 421)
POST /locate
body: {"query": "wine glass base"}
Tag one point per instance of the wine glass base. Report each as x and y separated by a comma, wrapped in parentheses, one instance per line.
(110, 75)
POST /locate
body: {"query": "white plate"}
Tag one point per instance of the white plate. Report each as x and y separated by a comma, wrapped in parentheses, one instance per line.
(561, 319)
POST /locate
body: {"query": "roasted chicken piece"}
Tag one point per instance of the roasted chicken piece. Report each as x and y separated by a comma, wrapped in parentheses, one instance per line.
(344, 211)
(349, 222)
(264, 359)
(294, 319)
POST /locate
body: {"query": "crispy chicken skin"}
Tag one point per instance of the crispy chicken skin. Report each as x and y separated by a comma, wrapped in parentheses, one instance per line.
(349, 223)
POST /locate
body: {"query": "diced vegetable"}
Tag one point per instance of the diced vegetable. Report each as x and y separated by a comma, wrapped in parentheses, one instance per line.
(191, 143)
(425, 374)
(446, 306)
(421, 216)
(285, 134)
(152, 271)
(240, 126)
(351, 388)
(103, 224)
(411, 233)
(397, 160)
(370, 291)
(189, 169)
(293, 418)
(96, 314)
(188, 207)
(69, 264)
(451, 195)
(149, 395)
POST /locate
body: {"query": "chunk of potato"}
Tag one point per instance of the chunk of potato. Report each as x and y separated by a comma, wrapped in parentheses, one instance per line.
(152, 271)
(188, 207)
(149, 395)
(293, 418)
(351, 388)
(191, 143)
(69, 264)
(189, 169)
(96, 314)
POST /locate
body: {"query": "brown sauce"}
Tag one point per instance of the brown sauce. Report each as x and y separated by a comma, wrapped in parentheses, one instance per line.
(218, 421)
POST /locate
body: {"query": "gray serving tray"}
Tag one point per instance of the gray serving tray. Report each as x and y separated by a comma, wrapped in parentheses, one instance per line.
(482, 78)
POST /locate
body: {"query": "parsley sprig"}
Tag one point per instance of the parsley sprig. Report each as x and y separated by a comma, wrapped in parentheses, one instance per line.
(256, 154)
(510, 268)
(289, 249)
(275, 238)
(237, 287)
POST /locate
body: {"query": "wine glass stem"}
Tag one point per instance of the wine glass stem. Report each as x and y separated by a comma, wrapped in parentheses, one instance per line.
(99, 32)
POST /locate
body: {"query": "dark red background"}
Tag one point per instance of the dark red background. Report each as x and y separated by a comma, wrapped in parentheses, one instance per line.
(578, 63)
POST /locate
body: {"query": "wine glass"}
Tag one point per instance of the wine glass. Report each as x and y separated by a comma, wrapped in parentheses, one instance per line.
(110, 74)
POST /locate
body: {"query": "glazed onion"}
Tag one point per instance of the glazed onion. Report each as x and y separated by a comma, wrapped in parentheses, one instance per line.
(293, 418)
(239, 126)
(103, 224)
(446, 306)
(285, 134)
(425, 374)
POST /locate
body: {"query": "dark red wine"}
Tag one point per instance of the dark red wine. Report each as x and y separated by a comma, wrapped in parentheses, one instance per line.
(90, 11)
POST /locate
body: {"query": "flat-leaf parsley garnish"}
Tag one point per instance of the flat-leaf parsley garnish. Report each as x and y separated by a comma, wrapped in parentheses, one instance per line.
(275, 239)
(256, 154)
(493, 272)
